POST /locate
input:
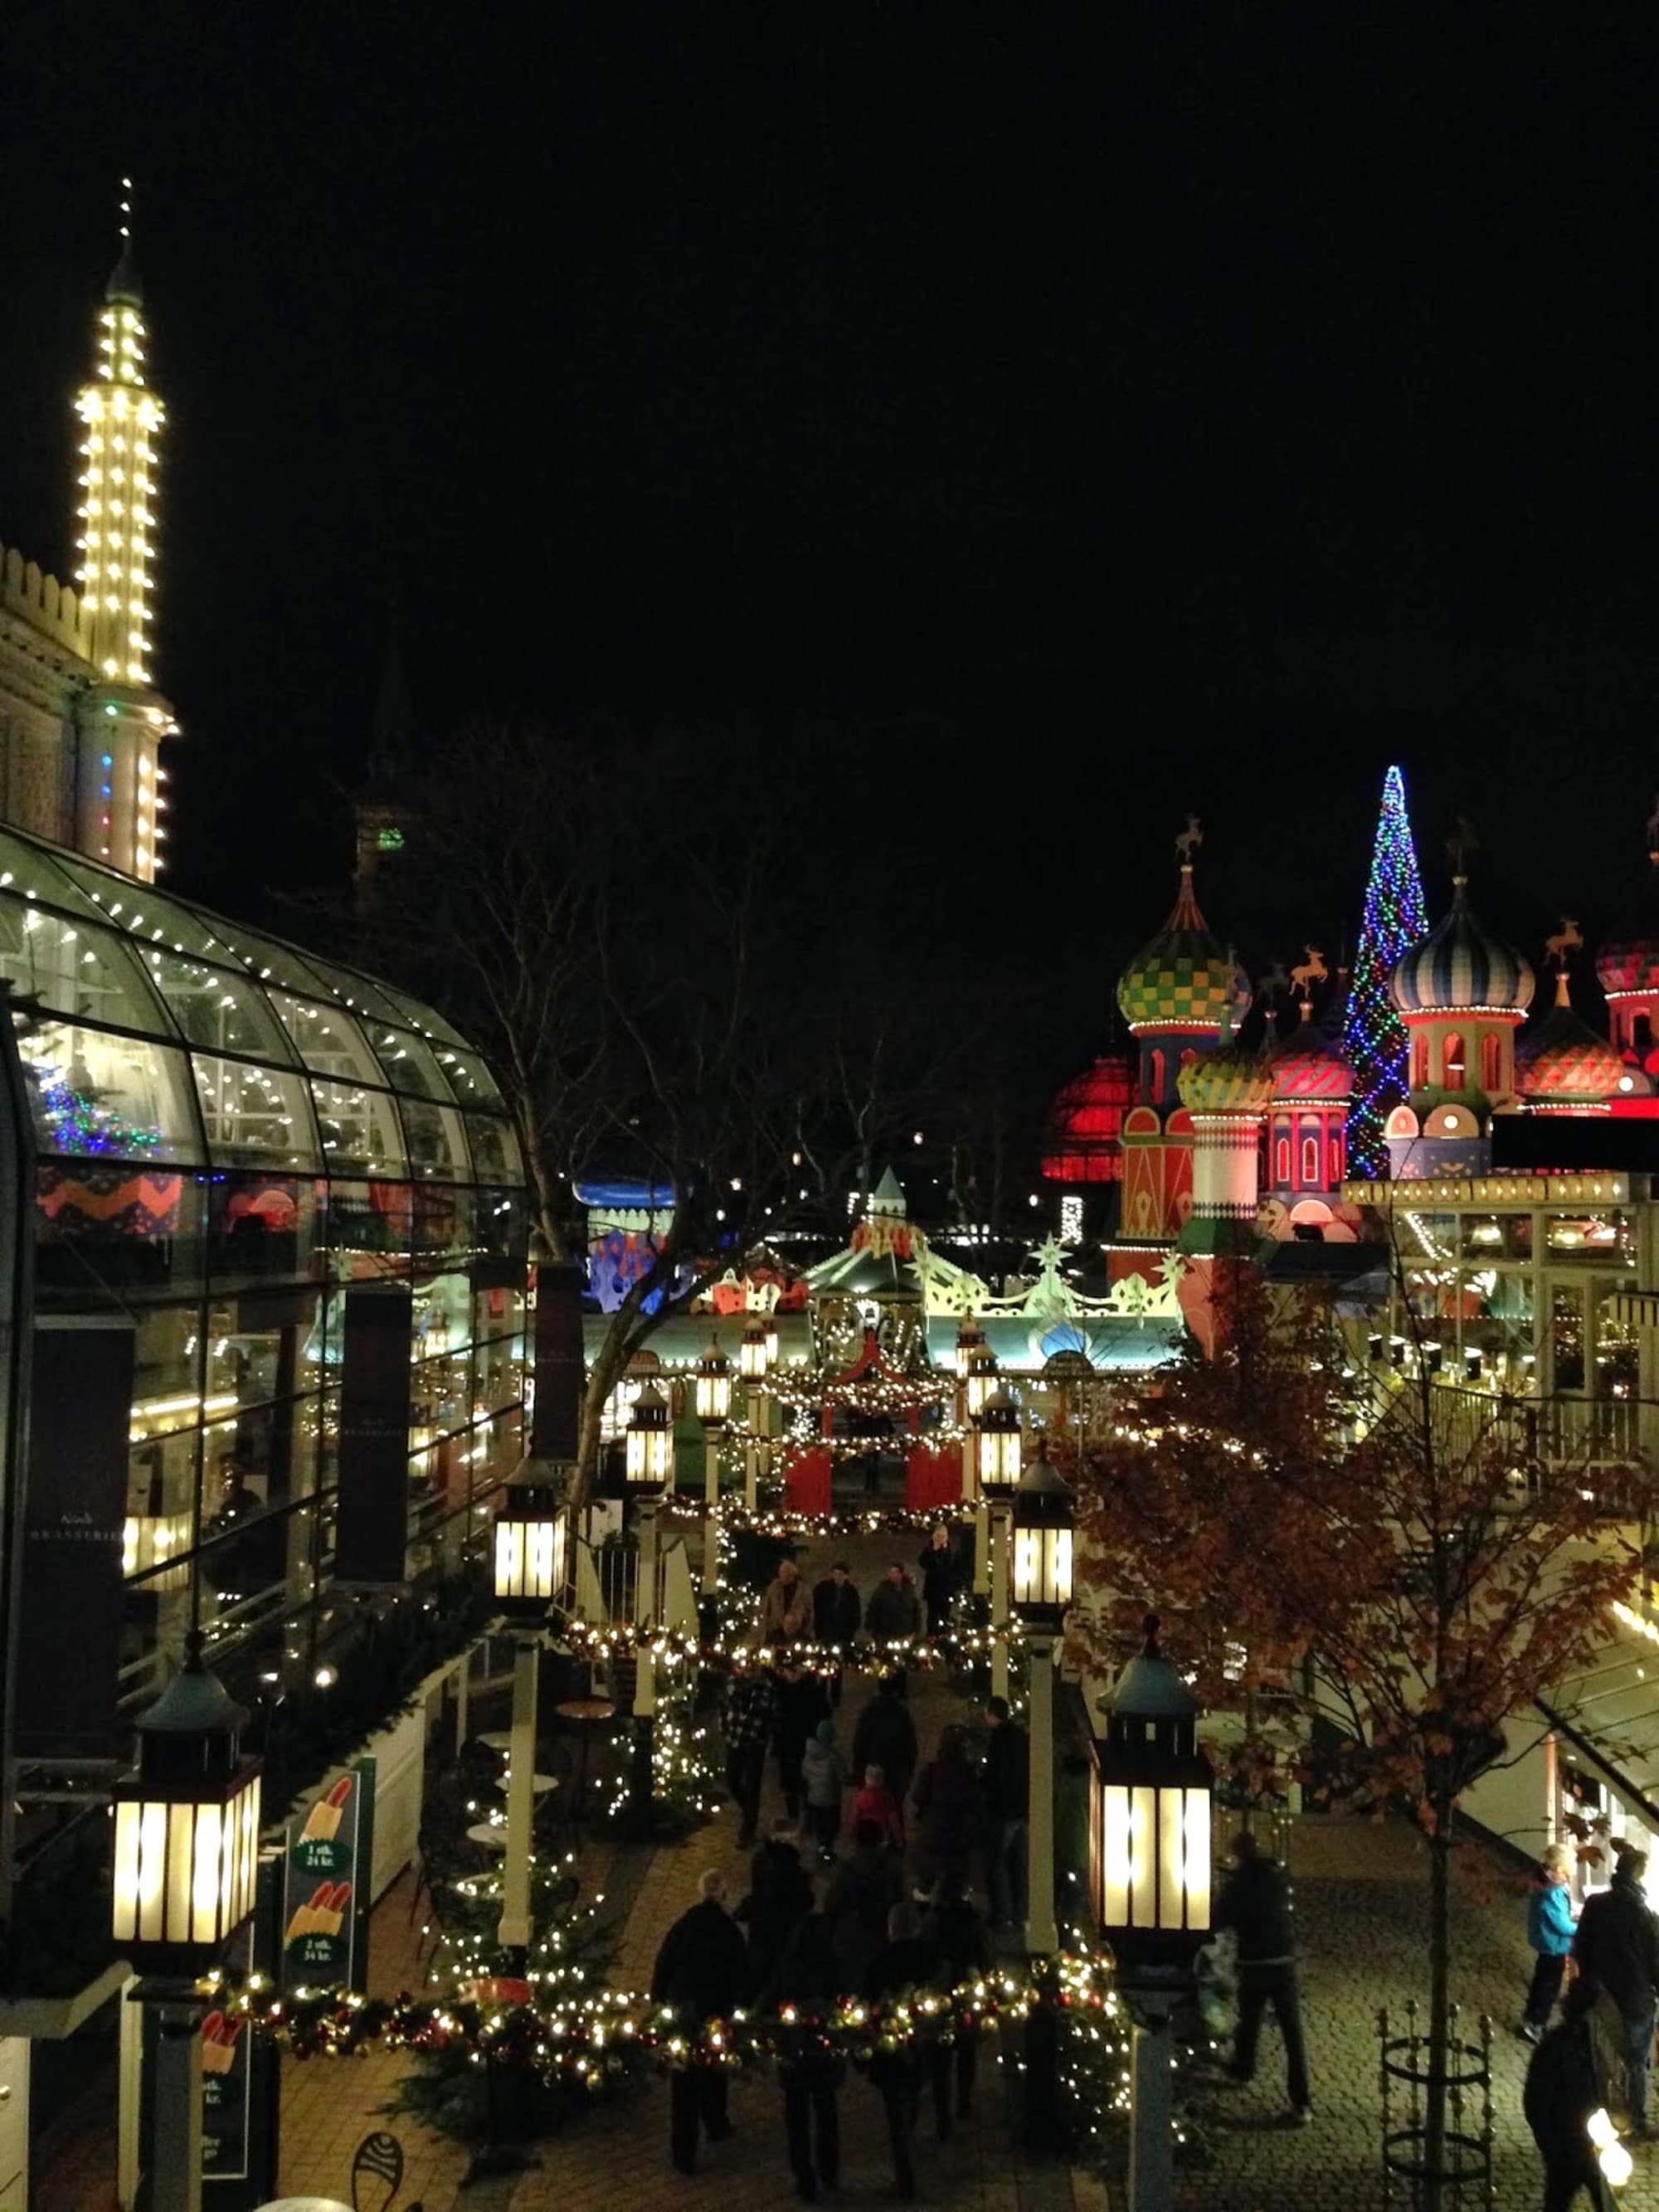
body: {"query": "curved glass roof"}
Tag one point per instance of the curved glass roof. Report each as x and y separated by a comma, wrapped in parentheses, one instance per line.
(151, 1028)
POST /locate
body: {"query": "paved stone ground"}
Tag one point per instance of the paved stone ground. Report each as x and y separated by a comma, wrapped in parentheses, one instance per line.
(1362, 1897)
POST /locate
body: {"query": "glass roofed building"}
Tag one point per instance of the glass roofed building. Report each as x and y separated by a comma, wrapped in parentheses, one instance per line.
(291, 1200)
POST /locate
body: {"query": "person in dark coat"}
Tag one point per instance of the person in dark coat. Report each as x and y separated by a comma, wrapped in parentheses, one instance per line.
(751, 1701)
(801, 1705)
(903, 1963)
(1561, 2093)
(1255, 1904)
(861, 1895)
(941, 1578)
(893, 1613)
(1007, 1813)
(808, 1977)
(955, 1935)
(945, 1801)
(886, 1737)
(779, 1894)
(837, 1616)
(1617, 1952)
(701, 1971)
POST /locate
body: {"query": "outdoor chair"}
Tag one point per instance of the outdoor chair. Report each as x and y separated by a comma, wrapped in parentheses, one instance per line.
(377, 2173)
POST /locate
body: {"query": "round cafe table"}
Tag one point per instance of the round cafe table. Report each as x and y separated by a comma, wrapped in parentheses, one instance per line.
(497, 1739)
(491, 1835)
(303, 2204)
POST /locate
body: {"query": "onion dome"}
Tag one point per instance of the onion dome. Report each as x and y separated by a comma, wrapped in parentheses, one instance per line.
(1308, 1065)
(1231, 1079)
(1460, 967)
(1184, 979)
(1629, 961)
(1564, 1062)
(1085, 1121)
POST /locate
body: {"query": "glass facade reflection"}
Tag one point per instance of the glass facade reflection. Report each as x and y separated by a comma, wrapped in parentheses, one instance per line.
(231, 1135)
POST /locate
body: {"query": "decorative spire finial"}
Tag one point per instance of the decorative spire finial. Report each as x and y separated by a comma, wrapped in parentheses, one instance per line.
(1149, 1628)
(1461, 844)
(124, 277)
(1565, 941)
(1653, 830)
(1189, 840)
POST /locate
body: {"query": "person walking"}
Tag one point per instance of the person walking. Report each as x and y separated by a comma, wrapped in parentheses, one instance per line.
(861, 1895)
(807, 1979)
(1255, 1904)
(941, 1578)
(955, 1935)
(801, 1705)
(783, 1613)
(876, 1807)
(779, 1894)
(1616, 1951)
(1561, 2093)
(700, 1970)
(1550, 1932)
(903, 1963)
(893, 1614)
(945, 1801)
(823, 1777)
(837, 1616)
(750, 1714)
(1007, 1813)
(886, 1737)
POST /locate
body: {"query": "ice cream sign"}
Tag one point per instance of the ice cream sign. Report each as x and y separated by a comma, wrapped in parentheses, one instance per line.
(319, 1908)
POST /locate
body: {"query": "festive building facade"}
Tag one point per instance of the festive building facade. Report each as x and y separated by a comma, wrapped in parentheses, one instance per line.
(81, 722)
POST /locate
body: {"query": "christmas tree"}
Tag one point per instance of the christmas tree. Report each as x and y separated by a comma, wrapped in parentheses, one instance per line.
(1375, 1037)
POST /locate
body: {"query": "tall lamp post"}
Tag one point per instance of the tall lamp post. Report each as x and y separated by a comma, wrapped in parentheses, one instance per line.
(997, 1444)
(648, 1467)
(1149, 1876)
(713, 1410)
(976, 1365)
(530, 1537)
(756, 1356)
(186, 1859)
(1043, 1524)
(971, 1339)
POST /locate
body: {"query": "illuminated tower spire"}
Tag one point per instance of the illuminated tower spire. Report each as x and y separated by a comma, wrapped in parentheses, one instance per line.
(123, 420)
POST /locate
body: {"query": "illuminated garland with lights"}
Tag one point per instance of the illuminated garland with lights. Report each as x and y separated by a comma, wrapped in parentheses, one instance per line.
(780, 1523)
(78, 1126)
(590, 2038)
(590, 1642)
(1374, 1036)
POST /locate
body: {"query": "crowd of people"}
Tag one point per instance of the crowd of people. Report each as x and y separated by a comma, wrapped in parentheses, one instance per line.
(863, 1885)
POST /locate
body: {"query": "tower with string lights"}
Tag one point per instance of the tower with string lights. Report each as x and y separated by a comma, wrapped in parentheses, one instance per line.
(81, 722)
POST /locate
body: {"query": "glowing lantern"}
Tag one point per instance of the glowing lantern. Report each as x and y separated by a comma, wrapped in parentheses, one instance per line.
(1149, 1826)
(997, 1446)
(713, 1388)
(650, 1451)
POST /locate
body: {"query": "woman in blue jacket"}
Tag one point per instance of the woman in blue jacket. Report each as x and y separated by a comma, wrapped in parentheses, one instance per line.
(1550, 1932)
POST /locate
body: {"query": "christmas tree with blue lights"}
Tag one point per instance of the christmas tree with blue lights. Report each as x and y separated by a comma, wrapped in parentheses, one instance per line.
(1374, 1038)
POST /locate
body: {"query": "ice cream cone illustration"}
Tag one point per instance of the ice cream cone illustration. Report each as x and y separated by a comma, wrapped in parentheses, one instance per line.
(323, 1821)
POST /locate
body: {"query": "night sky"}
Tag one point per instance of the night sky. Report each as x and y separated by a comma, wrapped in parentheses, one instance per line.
(1091, 412)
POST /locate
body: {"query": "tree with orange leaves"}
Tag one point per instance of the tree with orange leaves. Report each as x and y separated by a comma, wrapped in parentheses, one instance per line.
(1395, 1552)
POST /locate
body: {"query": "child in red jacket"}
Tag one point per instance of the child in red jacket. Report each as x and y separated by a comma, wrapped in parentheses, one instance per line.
(876, 1802)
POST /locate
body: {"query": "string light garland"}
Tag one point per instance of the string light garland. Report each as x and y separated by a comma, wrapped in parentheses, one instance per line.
(595, 1641)
(79, 1126)
(777, 1521)
(1374, 1038)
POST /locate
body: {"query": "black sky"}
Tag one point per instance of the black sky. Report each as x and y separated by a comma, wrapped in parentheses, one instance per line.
(1117, 409)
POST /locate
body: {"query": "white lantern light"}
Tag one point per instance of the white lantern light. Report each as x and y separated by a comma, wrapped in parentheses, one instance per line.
(1149, 1826)
(713, 1388)
(187, 1828)
(997, 1444)
(1042, 1526)
(650, 1451)
(980, 1377)
(531, 1535)
(971, 1339)
(758, 1350)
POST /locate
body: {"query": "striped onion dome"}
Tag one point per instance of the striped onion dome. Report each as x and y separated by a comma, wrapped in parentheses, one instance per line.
(1629, 961)
(1564, 1060)
(1308, 1065)
(1461, 967)
(1183, 979)
(1231, 1079)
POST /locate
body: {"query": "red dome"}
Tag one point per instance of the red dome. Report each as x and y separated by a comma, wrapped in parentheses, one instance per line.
(1085, 1122)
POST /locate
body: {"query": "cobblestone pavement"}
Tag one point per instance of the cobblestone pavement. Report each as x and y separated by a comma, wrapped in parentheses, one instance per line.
(1362, 1898)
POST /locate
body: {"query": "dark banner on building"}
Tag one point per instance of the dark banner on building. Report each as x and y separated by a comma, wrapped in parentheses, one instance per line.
(70, 1626)
(372, 1510)
(556, 1423)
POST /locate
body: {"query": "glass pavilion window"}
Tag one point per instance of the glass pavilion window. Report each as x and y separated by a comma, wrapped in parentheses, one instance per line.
(230, 1133)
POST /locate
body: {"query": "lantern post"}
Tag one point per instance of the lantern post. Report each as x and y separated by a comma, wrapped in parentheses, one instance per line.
(997, 1445)
(649, 1469)
(1149, 1876)
(1042, 1522)
(531, 1540)
(976, 1366)
(714, 1410)
(756, 1356)
(187, 1859)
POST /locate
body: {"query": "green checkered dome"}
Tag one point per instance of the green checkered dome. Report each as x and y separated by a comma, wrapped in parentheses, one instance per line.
(1183, 979)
